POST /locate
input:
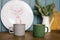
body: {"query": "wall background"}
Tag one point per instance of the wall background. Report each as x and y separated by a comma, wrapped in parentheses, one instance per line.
(31, 3)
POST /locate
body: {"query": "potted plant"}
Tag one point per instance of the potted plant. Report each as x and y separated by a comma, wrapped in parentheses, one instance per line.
(46, 12)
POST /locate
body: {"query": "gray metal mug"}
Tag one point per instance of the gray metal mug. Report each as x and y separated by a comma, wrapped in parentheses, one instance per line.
(18, 29)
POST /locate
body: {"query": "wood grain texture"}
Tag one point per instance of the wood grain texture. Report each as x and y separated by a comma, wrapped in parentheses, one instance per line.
(56, 23)
(29, 36)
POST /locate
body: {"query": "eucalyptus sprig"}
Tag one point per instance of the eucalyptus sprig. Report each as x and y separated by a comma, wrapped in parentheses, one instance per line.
(44, 10)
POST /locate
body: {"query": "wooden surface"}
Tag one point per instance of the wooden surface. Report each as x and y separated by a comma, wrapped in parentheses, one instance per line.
(29, 36)
(56, 23)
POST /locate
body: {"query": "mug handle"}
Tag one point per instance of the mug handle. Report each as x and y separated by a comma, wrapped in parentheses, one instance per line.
(11, 30)
(47, 28)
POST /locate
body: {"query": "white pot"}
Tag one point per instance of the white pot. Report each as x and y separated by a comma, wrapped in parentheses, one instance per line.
(46, 22)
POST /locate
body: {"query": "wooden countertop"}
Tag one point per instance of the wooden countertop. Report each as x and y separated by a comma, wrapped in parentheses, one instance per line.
(28, 36)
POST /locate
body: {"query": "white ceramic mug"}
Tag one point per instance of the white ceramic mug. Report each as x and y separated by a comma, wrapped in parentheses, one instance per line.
(18, 29)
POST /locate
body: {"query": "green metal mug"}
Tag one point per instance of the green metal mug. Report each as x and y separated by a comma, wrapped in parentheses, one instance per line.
(39, 30)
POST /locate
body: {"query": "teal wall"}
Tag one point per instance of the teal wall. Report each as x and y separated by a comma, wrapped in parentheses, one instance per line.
(31, 3)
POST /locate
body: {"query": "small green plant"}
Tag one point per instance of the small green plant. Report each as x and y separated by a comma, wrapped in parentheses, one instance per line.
(44, 10)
